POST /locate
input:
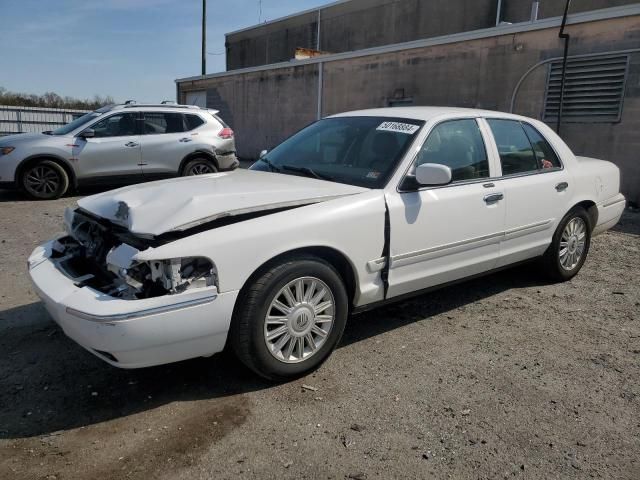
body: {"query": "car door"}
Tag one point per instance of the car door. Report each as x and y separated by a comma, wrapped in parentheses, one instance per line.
(536, 188)
(441, 234)
(113, 151)
(164, 143)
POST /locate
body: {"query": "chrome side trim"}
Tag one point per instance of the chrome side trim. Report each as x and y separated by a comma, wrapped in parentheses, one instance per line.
(418, 256)
(376, 265)
(442, 250)
(119, 317)
(614, 202)
(527, 229)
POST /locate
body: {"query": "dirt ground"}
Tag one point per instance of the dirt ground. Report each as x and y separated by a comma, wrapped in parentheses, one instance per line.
(504, 376)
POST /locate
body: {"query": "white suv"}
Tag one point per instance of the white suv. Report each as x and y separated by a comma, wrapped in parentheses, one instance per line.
(118, 144)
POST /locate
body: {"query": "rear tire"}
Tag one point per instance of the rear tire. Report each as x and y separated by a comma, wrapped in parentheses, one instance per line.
(44, 180)
(569, 248)
(281, 345)
(199, 166)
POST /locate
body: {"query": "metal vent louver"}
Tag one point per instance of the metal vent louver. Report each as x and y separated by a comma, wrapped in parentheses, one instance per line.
(594, 89)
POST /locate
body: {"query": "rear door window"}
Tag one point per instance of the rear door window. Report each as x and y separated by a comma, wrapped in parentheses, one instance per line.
(546, 156)
(516, 153)
(163, 122)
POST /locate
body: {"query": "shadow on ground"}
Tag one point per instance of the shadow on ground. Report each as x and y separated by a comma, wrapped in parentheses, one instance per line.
(47, 382)
(629, 223)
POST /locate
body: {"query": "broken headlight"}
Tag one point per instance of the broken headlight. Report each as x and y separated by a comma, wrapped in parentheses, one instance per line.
(154, 278)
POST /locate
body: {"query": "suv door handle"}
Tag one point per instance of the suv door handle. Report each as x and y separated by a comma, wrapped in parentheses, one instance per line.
(131, 144)
(561, 187)
(185, 140)
(494, 197)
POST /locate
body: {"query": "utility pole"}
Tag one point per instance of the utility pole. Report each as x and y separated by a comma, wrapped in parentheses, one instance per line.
(204, 37)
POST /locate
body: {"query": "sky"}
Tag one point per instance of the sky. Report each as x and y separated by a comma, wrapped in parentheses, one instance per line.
(129, 49)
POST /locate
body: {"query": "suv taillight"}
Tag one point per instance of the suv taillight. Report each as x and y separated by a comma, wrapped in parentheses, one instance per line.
(226, 133)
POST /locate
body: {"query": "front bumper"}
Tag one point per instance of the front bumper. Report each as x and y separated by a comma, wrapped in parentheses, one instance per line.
(133, 333)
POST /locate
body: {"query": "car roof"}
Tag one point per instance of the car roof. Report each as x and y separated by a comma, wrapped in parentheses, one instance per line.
(425, 113)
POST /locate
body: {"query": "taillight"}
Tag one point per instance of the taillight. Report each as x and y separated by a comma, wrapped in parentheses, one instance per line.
(226, 133)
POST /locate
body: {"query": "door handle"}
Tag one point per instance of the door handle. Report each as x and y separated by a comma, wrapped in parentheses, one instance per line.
(561, 187)
(185, 140)
(131, 144)
(494, 197)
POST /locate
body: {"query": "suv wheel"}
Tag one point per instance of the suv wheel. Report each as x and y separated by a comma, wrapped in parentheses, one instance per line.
(290, 319)
(44, 180)
(199, 166)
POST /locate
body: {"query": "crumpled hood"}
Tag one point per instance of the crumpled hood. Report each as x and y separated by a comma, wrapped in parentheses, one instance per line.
(178, 204)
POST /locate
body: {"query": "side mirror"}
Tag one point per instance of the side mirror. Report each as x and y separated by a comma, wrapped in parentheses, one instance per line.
(88, 133)
(263, 153)
(433, 174)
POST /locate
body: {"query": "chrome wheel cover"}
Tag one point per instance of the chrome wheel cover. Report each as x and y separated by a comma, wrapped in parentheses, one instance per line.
(299, 320)
(201, 169)
(42, 180)
(572, 243)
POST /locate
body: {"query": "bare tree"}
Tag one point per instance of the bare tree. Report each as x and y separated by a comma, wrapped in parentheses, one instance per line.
(52, 100)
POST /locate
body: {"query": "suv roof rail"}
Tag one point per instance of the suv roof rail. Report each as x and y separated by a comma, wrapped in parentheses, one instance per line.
(130, 102)
(168, 102)
(163, 105)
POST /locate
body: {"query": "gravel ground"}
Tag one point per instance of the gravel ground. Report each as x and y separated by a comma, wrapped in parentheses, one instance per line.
(504, 376)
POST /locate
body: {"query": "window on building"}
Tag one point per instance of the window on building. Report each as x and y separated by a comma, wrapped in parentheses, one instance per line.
(594, 89)
(457, 144)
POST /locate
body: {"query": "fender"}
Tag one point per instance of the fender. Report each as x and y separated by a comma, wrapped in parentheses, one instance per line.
(198, 153)
(66, 164)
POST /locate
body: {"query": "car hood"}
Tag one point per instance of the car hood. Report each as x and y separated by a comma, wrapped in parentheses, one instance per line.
(24, 138)
(182, 203)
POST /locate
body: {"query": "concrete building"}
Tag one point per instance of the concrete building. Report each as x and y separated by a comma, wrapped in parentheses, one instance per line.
(496, 54)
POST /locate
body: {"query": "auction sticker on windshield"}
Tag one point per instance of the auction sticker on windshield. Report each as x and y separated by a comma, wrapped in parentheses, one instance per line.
(398, 127)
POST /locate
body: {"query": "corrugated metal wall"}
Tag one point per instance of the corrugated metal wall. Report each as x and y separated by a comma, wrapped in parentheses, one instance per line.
(34, 119)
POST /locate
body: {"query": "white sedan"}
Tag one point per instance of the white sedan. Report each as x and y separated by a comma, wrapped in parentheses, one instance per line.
(352, 212)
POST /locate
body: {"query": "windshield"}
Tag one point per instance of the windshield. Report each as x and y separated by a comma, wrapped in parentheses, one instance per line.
(69, 127)
(362, 151)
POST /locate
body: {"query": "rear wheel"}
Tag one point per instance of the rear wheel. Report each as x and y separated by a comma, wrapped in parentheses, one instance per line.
(199, 166)
(290, 319)
(44, 180)
(568, 250)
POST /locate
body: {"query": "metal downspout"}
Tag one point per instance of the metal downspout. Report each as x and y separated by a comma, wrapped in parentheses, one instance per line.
(565, 57)
(318, 32)
(320, 89)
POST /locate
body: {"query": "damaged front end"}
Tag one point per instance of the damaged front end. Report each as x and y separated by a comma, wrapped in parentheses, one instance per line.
(102, 255)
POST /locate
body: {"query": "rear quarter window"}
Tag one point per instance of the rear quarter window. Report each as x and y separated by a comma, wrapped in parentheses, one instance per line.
(193, 121)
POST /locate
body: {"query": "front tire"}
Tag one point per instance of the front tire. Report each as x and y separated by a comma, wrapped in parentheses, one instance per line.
(570, 245)
(44, 180)
(290, 318)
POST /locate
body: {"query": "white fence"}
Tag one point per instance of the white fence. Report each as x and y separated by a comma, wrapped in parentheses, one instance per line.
(34, 119)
